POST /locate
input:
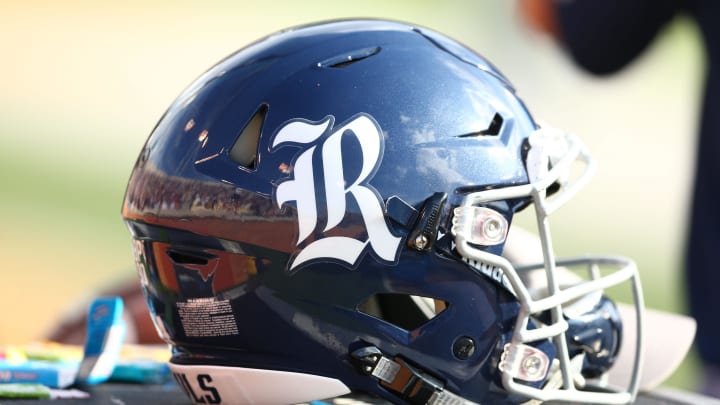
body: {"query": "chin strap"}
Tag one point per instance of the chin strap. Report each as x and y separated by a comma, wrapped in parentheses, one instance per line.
(412, 384)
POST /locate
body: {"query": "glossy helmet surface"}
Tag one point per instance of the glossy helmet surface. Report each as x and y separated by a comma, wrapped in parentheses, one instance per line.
(326, 210)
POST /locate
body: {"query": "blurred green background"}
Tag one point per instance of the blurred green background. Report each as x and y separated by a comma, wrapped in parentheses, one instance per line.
(82, 84)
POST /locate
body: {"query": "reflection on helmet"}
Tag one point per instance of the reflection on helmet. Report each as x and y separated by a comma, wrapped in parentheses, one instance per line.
(326, 210)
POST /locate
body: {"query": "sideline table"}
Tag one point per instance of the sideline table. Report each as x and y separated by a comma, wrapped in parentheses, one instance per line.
(170, 393)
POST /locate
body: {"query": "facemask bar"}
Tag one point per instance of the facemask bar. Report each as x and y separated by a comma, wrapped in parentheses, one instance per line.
(559, 151)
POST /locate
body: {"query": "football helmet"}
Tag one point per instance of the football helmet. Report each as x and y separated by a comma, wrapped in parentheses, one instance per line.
(326, 210)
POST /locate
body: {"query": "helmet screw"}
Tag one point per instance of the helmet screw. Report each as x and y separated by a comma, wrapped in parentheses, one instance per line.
(464, 347)
(421, 241)
(532, 365)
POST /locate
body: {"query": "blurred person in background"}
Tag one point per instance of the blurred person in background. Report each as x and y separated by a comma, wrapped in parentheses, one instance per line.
(602, 37)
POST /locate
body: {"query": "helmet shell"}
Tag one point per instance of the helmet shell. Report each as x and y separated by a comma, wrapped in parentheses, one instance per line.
(365, 111)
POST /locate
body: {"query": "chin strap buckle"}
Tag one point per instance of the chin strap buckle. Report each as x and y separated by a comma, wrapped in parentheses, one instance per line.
(409, 382)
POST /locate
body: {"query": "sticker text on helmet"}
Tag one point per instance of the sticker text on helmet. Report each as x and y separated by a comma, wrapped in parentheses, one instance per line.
(203, 393)
(320, 142)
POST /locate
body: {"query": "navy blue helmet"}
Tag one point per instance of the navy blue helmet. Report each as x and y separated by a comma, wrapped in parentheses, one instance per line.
(329, 209)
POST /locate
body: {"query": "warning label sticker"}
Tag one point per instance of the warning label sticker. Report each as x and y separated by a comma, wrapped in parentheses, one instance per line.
(201, 317)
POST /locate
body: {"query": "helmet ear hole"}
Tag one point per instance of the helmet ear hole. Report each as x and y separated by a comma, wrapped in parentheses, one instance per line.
(403, 310)
(245, 149)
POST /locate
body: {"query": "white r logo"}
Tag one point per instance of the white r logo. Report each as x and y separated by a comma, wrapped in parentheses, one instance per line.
(301, 189)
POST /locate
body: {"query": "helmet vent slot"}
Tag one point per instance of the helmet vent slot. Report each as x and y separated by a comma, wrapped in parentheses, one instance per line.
(403, 310)
(187, 258)
(346, 59)
(493, 128)
(245, 149)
